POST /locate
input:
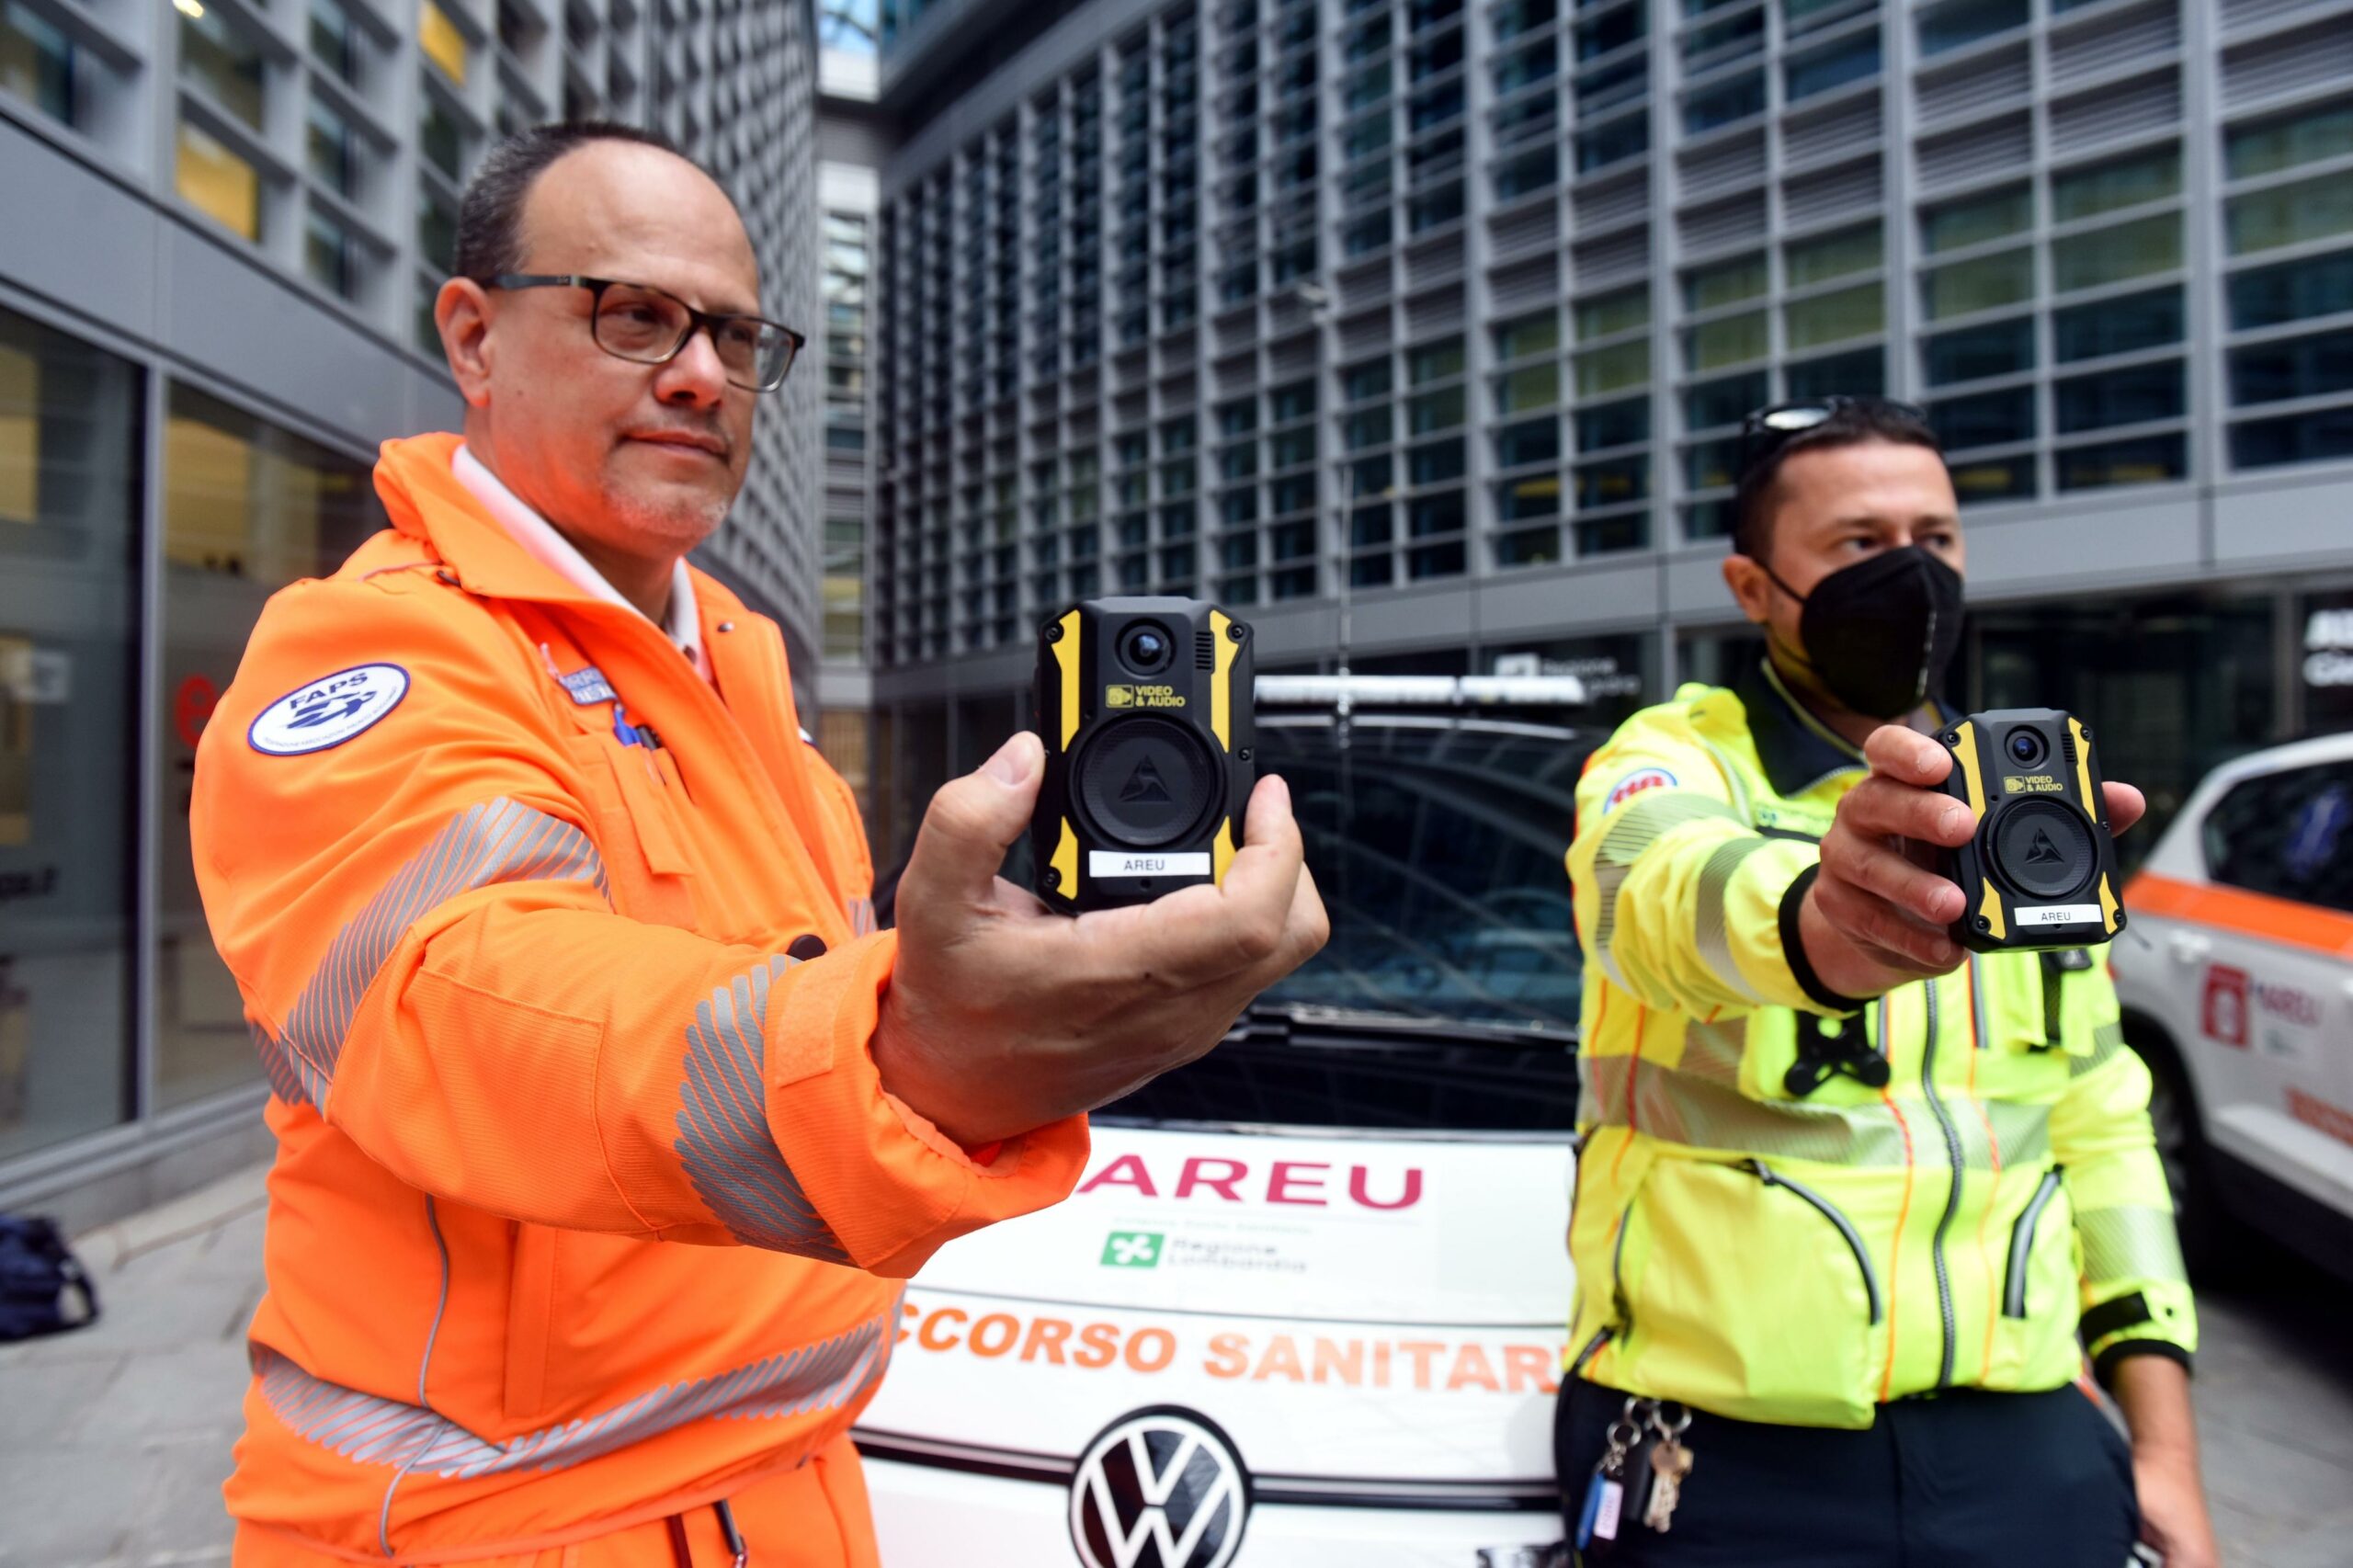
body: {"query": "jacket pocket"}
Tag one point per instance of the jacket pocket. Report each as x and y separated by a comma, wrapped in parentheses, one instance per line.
(638, 831)
(530, 1314)
(2014, 1275)
(1749, 1294)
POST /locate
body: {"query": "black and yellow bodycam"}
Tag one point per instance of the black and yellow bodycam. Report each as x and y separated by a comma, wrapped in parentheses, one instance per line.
(2040, 871)
(1145, 707)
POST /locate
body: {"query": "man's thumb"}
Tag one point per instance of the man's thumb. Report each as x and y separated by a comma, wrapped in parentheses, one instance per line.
(973, 819)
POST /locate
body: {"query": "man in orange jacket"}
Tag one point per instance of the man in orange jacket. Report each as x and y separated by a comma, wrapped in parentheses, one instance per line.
(606, 1121)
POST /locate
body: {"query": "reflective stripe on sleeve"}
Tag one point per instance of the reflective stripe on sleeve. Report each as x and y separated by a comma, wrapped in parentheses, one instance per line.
(2129, 1243)
(1637, 826)
(368, 1428)
(1712, 937)
(497, 841)
(724, 1141)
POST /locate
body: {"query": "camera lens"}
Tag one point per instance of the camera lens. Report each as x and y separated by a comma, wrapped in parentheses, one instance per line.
(1145, 649)
(2026, 747)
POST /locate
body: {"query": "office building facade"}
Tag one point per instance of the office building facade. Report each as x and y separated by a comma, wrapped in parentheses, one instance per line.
(227, 222)
(1445, 311)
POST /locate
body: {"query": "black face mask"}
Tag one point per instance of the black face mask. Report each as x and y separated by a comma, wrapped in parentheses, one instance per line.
(1880, 634)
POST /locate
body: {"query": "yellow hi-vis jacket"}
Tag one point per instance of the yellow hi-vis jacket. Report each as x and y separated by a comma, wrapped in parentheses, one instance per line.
(1761, 1230)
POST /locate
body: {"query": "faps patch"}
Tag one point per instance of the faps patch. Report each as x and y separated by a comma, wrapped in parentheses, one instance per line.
(1635, 783)
(328, 711)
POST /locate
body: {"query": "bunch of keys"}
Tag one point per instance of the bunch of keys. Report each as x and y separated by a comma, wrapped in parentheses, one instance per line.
(1670, 1462)
(1652, 1471)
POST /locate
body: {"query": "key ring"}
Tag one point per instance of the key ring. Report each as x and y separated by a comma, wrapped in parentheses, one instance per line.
(1681, 1423)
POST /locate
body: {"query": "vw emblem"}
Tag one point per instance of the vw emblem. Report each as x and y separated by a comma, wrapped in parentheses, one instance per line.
(1159, 1488)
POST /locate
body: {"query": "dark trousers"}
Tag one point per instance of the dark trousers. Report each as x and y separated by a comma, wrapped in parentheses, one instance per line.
(1965, 1479)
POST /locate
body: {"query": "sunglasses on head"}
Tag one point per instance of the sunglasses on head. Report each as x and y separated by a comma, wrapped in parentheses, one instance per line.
(1766, 430)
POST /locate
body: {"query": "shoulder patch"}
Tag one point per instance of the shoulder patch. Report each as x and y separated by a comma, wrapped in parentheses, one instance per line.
(328, 711)
(1635, 783)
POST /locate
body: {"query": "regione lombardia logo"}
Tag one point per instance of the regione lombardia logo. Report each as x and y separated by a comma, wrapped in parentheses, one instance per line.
(1159, 1488)
(329, 711)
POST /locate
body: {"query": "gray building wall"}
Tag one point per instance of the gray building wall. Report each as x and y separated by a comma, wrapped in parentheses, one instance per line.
(1787, 191)
(324, 351)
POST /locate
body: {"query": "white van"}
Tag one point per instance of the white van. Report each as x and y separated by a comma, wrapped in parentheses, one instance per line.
(1307, 1305)
(2236, 977)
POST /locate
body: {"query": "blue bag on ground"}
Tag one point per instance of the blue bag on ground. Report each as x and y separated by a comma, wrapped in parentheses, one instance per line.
(37, 1273)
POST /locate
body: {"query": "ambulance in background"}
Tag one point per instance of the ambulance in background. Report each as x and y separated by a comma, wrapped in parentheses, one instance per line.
(2237, 978)
(1305, 1309)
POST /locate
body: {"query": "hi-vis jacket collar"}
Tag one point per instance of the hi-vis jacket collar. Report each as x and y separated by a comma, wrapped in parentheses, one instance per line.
(1798, 750)
(413, 473)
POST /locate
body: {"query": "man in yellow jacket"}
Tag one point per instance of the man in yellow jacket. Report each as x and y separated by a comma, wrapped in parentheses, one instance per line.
(1855, 1201)
(608, 1123)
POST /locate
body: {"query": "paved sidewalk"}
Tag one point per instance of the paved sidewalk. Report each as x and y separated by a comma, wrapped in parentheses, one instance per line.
(113, 1440)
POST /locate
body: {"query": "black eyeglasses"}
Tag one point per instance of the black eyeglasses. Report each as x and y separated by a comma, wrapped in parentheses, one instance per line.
(650, 326)
(1766, 430)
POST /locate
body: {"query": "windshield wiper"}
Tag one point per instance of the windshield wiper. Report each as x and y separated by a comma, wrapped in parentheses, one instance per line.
(1315, 1017)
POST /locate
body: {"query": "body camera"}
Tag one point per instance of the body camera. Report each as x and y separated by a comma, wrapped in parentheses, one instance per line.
(1145, 707)
(2041, 871)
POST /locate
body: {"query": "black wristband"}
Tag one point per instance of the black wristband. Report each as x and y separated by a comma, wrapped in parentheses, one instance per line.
(1793, 951)
(2104, 1365)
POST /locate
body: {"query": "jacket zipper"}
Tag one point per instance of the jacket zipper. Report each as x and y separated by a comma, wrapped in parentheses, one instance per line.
(2022, 1243)
(1601, 1336)
(1829, 1211)
(1953, 1198)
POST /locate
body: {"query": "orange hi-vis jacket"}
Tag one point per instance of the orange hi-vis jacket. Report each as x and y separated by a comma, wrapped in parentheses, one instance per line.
(588, 1204)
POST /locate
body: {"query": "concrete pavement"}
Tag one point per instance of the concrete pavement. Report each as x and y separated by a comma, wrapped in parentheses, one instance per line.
(113, 1440)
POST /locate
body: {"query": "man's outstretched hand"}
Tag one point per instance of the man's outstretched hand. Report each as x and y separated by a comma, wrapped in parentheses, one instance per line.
(1003, 1016)
(1875, 917)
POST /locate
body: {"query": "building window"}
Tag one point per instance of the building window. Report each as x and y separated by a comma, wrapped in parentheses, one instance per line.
(1978, 219)
(1976, 481)
(1738, 98)
(1976, 353)
(1435, 463)
(37, 64)
(2312, 366)
(2285, 143)
(1725, 283)
(440, 137)
(2118, 327)
(1834, 317)
(219, 183)
(1832, 256)
(1538, 440)
(335, 44)
(1987, 419)
(2140, 395)
(437, 231)
(1538, 495)
(1862, 373)
(220, 58)
(1534, 386)
(2270, 296)
(1613, 425)
(1435, 410)
(2150, 460)
(1731, 341)
(1616, 482)
(2112, 255)
(330, 257)
(2109, 187)
(1524, 335)
(1986, 283)
(441, 41)
(1849, 59)
(2289, 214)
(69, 447)
(1962, 22)
(330, 150)
(1710, 405)
(1434, 362)
(2302, 438)
(1608, 314)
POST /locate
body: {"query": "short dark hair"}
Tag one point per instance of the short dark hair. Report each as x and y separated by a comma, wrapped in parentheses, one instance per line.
(1850, 423)
(490, 218)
